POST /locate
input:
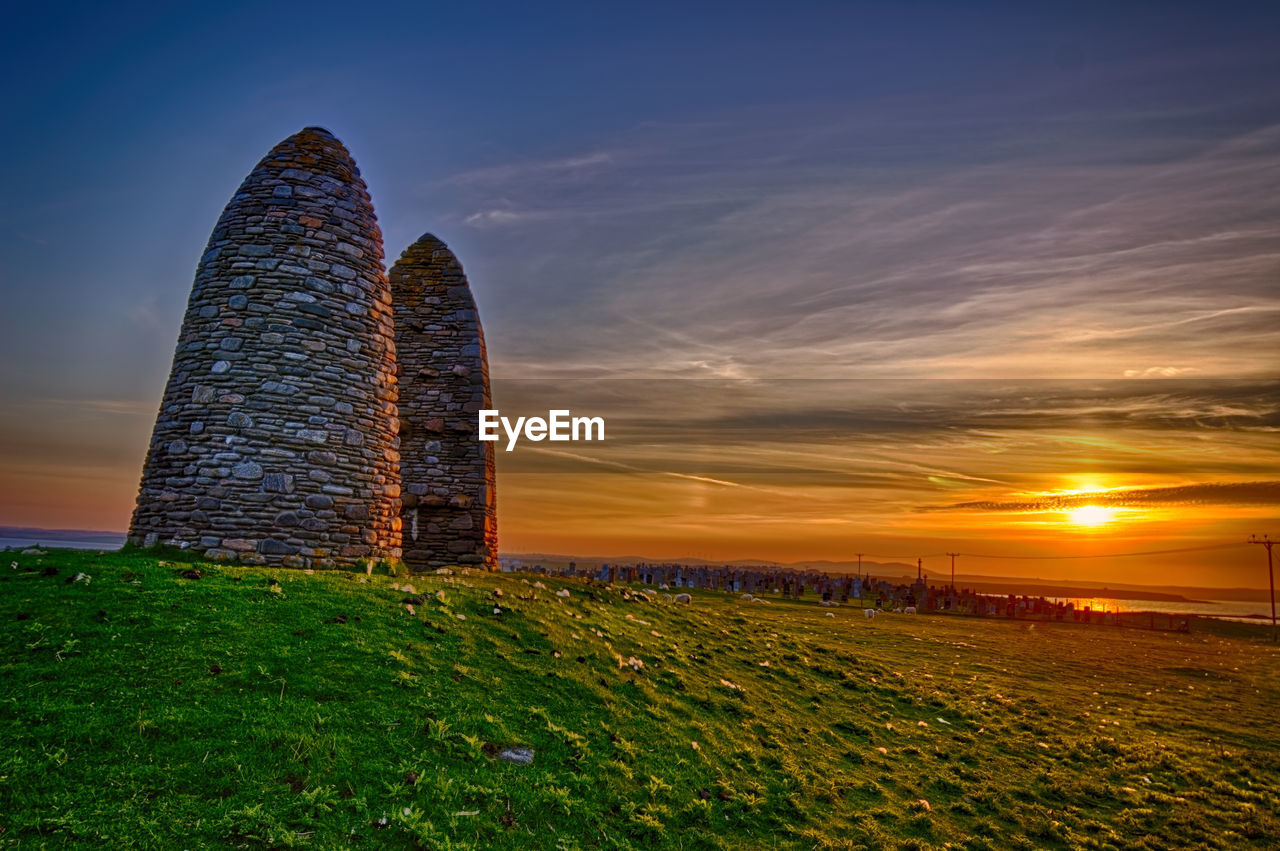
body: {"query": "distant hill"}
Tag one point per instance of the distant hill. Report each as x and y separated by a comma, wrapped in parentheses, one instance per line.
(895, 571)
(25, 536)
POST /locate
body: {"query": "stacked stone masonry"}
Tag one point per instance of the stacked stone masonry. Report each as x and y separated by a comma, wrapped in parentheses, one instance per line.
(447, 472)
(277, 437)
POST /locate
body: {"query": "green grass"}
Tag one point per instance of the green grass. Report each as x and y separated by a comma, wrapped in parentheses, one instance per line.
(145, 709)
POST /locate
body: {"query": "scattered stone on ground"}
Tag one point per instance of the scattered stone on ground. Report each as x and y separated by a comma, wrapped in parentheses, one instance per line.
(519, 756)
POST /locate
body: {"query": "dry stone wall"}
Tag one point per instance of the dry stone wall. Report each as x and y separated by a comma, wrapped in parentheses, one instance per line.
(449, 501)
(276, 440)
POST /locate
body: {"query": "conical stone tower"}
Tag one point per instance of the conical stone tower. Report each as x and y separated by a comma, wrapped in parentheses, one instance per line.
(276, 438)
(449, 507)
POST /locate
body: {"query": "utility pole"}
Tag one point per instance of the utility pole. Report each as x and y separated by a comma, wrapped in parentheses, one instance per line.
(953, 571)
(1271, 575)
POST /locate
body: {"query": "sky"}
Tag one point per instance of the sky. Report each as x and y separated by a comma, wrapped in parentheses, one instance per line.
(936, 265)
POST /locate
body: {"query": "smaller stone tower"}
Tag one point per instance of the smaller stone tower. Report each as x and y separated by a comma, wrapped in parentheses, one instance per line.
(447, 473)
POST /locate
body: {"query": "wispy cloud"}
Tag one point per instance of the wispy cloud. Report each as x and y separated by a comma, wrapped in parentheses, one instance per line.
(145, 313)
(524, 171)
(1206, 493)
(737, 249)
(499, 216)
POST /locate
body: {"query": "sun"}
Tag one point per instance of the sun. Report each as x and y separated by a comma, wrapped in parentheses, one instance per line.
(1091, 515)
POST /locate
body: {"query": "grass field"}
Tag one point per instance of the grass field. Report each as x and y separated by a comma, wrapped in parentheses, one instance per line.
(141, 708)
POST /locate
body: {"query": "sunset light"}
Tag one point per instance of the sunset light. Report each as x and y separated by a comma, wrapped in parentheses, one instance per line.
(650, 425)
(1091, 515)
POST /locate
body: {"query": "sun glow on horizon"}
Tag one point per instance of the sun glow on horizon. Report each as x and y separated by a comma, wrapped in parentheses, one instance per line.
(1091, 516)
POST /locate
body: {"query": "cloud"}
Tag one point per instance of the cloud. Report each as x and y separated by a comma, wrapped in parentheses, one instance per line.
(1207, 493)
(523, 171)
(146, 313)
(832, 246)
(1159, 372)
(499, 216)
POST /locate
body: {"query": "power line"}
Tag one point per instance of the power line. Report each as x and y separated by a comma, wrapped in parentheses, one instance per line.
(1266, 541)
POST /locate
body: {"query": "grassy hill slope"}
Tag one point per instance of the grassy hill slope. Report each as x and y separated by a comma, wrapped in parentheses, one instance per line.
(141, 708)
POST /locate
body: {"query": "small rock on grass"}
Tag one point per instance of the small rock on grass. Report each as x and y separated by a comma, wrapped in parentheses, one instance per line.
(519, 756)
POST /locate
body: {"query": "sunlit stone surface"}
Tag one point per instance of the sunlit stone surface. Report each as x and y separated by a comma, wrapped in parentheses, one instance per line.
(276, 440)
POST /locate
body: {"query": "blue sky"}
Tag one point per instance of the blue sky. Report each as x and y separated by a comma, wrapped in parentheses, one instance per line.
(648, 189)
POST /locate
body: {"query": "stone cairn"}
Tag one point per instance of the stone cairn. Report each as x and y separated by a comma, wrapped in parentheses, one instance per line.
(447, 472)
(277, 438)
